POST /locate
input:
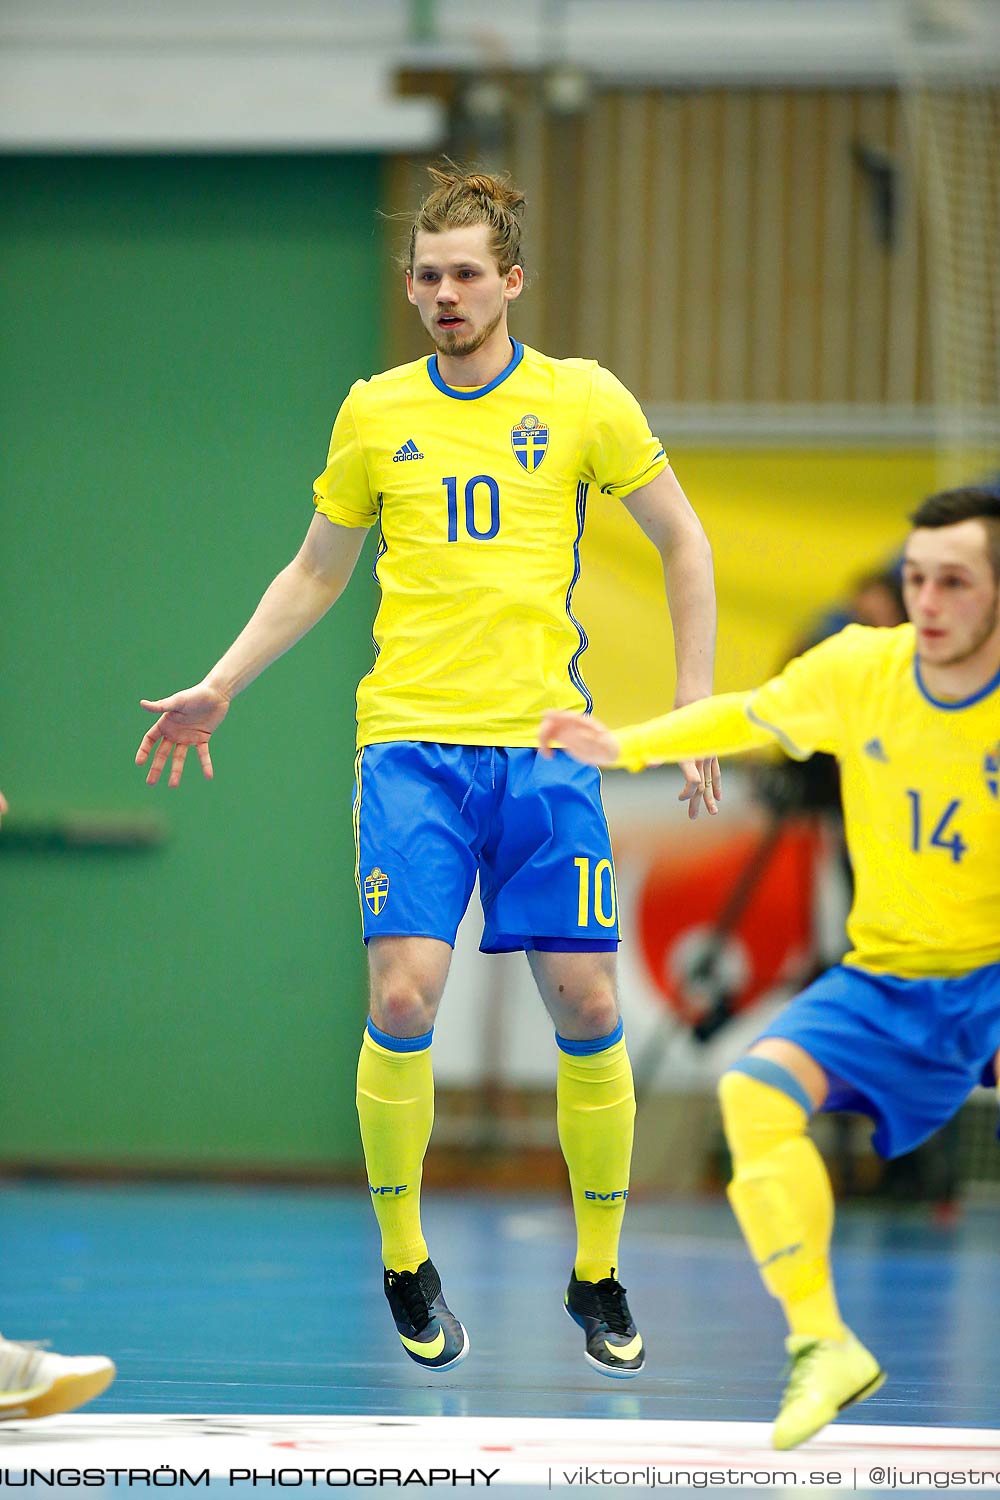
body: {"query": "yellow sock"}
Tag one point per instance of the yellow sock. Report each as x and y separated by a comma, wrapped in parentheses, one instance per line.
(396, 1111)
(781, 1197)
(595, 1111)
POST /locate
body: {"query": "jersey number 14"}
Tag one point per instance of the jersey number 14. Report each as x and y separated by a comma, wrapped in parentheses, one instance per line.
(940, 837)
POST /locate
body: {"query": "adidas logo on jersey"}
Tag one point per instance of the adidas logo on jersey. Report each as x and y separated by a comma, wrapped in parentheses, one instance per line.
(408, 450)
(876, 750)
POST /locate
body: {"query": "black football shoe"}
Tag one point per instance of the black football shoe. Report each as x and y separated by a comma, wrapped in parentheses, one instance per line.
(614, 1344)
(429, 1332)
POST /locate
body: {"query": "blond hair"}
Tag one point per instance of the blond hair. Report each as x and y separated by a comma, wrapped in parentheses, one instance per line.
(462, 198)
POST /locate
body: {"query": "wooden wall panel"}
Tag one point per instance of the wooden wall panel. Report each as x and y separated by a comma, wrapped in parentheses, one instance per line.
(626, 289)
(663, 311)
(769, 248)
(732, 344)
(835, 278)
(529, 168)
(594, 235)
(803, 224)
(905, 380)
(716, 245)
(699, 240)
(868, 257)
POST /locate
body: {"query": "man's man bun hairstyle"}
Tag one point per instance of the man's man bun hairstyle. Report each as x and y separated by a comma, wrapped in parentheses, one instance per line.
(460, 198)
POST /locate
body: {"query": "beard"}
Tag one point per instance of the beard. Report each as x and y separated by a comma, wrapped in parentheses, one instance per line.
(453, 345)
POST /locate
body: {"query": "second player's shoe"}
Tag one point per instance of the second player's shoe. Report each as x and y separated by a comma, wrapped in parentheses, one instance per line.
(428, 1330)
(34, 1382)
(614, 1344)
(826, 1375)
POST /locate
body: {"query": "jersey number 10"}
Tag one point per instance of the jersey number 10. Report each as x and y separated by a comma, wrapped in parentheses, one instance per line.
(605, 906)
(492, 498)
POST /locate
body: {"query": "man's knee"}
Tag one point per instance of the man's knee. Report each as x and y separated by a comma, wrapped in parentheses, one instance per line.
(403, 1003)
(402, 1011)
(805, 1072)
(579, 991)
(592, 1015)
(406, 980)
(763, 1105)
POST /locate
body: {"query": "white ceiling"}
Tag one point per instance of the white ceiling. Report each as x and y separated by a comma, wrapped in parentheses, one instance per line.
(320, 74)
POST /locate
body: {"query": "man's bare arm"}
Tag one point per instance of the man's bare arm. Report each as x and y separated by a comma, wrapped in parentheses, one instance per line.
(663, 511)
(294, 602)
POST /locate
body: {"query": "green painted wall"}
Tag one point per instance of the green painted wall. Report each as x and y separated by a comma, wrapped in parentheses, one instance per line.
(177, 336)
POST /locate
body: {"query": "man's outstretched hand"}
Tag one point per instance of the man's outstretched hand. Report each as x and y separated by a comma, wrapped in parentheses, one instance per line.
(702, 784)
(585, 737)
(187, 718)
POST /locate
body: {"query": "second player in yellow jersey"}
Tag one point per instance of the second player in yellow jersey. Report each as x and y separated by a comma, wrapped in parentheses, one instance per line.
(909, 1024)
(919, 784)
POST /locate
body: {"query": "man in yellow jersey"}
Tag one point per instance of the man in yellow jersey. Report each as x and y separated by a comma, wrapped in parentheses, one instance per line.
(37, 1382)
(909, 1023)
(477, 465)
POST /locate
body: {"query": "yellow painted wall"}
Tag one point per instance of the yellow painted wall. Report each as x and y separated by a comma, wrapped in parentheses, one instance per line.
(790, 529)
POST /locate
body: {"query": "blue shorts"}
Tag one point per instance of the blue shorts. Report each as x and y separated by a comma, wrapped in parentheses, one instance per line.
(428, 818)
(908, 1052)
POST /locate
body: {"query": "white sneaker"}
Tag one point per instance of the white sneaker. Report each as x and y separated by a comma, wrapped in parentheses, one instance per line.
(34, 1382)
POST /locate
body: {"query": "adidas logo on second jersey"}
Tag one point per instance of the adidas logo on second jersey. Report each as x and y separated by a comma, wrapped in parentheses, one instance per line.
(876, 750)
(408, 450)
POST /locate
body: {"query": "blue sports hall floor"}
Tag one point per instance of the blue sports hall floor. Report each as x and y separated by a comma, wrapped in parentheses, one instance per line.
(251, 1333)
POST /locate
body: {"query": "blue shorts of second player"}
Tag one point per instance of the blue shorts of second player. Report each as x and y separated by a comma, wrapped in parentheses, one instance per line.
(428, 818)
(907, 1052)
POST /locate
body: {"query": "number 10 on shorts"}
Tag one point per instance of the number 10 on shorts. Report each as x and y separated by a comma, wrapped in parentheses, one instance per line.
(602, 884)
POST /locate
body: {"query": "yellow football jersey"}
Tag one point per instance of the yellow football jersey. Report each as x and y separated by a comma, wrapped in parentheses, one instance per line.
(481, 498)
(920, 782)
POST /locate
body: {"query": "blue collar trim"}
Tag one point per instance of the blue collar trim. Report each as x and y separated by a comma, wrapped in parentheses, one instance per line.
(984, 692)
(449, 390)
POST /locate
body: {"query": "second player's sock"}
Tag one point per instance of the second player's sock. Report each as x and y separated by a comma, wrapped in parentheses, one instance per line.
(781, 1193)
(396, 1110)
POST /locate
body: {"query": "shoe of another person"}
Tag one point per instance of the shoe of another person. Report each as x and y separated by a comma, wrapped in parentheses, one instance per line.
(825, 1376)
(428, 1331)
(35, 1382)
(614, 1344)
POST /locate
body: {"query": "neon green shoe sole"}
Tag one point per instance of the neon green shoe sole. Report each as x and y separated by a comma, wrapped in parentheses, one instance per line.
(826, 1375)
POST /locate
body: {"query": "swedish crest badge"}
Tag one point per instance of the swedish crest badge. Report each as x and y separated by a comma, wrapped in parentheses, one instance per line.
(529, 439)
(376, 889)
